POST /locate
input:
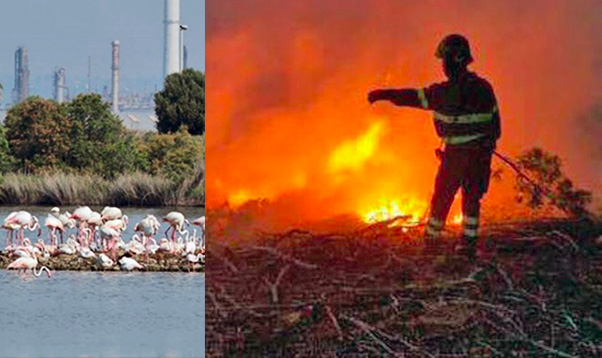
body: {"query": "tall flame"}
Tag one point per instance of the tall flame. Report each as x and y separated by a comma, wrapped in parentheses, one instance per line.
(289, 120)
(353, 153)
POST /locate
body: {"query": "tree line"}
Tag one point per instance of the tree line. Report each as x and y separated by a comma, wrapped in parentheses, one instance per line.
(83, 136)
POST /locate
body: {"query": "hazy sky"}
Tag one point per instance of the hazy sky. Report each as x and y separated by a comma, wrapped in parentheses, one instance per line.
(63, 33)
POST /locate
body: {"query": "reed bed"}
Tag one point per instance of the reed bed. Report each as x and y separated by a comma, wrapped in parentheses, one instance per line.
(536, 292)
(135, 189)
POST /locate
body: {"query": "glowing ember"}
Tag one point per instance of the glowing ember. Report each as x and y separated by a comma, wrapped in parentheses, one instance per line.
(414, 208)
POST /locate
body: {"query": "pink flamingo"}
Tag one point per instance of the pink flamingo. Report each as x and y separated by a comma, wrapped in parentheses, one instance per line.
(94, 222)
(110, 213)
(149, 227)
(10, 227)
(176, 221)
(25, 221)
(112, 235)
(118, 224)
(28, 263)
(200, 221)
(53, 224)
(81, 215)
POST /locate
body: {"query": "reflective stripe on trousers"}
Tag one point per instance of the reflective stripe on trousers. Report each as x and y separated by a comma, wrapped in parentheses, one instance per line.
(471, 227)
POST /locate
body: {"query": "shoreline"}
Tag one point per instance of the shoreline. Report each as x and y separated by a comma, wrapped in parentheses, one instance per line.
(155, 263)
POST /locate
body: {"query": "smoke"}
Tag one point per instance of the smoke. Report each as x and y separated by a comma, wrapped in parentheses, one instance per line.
(288, 84)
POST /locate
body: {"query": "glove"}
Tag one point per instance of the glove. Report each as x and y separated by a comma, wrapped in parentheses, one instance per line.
(377, 95)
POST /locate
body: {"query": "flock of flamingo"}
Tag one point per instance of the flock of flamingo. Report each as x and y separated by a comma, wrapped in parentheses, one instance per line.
(99, 236)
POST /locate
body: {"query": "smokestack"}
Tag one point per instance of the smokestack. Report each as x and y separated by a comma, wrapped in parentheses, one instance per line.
(59, 85)
(171, 62)
(21, 89)
(115, 81)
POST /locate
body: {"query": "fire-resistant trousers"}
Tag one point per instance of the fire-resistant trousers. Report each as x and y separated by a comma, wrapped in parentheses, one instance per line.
(461, 167)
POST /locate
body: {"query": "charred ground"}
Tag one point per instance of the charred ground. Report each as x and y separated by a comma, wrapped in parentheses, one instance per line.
(535, 291)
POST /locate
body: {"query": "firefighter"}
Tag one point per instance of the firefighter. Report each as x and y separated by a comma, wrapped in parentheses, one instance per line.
(467, 120)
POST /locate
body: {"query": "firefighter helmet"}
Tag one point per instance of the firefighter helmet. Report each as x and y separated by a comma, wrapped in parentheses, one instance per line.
(457, 46)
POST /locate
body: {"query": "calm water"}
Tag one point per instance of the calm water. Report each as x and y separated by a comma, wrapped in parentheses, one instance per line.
(91, 314)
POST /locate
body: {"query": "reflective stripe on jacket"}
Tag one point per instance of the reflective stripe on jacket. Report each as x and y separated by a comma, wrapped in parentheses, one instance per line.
(463, 112)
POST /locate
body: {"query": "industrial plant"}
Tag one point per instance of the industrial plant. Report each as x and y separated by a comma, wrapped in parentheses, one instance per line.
(174, 60)
(21, 89)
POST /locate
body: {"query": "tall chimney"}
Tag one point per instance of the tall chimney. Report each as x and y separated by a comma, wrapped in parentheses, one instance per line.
(115, 81)
(171, 62)
(21, 89)
(59, 85)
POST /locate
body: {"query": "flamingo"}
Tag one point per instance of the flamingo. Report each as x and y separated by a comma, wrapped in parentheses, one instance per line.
(94, 221)
(64, 219)
(28, 263)
(53, 224)
(69, 248)
(25, 221)
(110, 213)
(149, 227)
(112, 235)
(22, 220)
(176, 221)
(135, 246)
(86, 253)
(152, 247)
(193, 259)
(104, 261)
(200, 221)
(81, 215)
(10, 226)
(128, 264)
(165, 245)
(189, 246)
(118, 224)
(40, 247)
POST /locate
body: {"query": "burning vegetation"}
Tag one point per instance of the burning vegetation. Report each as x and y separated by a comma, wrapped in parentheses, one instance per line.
(317, 201)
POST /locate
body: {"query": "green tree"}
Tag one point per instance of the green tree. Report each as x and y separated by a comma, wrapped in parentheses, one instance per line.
(35, 130)
(182, 102)
(99, 141)
(7, 161)
(174, 156)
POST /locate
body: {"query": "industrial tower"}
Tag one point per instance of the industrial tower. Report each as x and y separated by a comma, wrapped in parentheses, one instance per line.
(171, 52)
(59, 85)
(21, 89)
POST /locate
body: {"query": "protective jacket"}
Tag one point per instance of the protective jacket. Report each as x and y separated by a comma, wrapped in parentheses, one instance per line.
(465, 111)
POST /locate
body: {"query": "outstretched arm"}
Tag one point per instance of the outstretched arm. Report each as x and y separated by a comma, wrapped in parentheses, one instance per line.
(402, 97)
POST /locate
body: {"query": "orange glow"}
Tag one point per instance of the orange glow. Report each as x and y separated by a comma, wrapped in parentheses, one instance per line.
(288, 120)
(239, 197)
(456, 219)
(352, 154)
(414, 208)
